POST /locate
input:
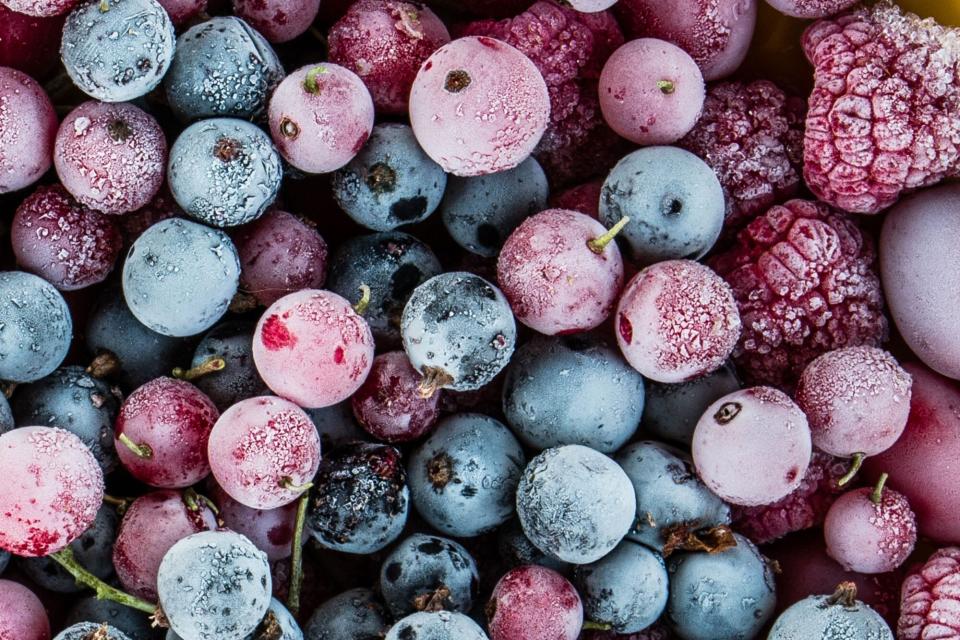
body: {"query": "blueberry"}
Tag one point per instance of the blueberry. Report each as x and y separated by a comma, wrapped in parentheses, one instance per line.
(117, 50)
(392, 264)
(6, 415)
(481, 212)
(440, 625)
(222, 67)
(87, 630)
(670, 497)
(391, 182)
(37, 327)
(725, 595)
(239, 380)
(356, 614)
(674, 201)
(224, 172)
(516, 549)
(463, 478)
(4, 561)
(135, 624)
(836, 617)
(428, 572)
(673, 410)
(336, 425)
(277, 624)
(572, 390)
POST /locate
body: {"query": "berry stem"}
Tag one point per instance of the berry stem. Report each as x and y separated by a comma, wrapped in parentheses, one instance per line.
(287, 483)
(310, 82)
(590, 625)
(140, 450)
(433, 379)
(855, 463)
(296, 561)
(121, 504)
(597, 245)
(361, 307)
(104, 364)
(846, 594)
(877, 494)
(666, 86)
(210, 365)
(104, 591)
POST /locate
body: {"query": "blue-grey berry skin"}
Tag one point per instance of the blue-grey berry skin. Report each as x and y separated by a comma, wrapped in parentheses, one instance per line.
(179, 277)
(135, 624)
(93, 550)
(239, 380)
(278, 620)
(575, 504)
(72, 399)
(360, 499)
(4, 561)
(6, 415)
(672, 411)
(222, 67)
(143, 354)
(463, 478)
(480, 213)
(214, 585)
(573, 389)
(86, 630)
(670, 496)
(224, 172)
(392, 264)
(729, 595)
(357, 614)
(391, 182)
(428, 572)
(516, 550)
(822, 618)
(37, 327)
(674, 202)
(440, 625)
(120, 53)
(459, 326)
(336, 425)
(626, 589)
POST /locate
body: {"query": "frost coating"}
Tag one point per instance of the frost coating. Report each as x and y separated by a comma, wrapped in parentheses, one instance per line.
(83, 631)
(35, 327)
(356, 614)
(928, 602)
(534, 602)
(870, 537)
(389, 405)
(28, 124)
(442, 625)
(817, 617)
(671, 411)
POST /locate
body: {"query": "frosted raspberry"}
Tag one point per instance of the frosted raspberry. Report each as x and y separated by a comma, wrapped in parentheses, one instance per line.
(930, 599)
(569, 48)
(805, 281)
(884, 114)
(803, 508)
(751, 135)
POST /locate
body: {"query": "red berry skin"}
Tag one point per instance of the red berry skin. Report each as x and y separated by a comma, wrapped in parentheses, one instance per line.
(271, 530)
(534, 602)
(928, 601)
(278, 20)
(22, 616)
(174, 419)
(388, 405)
(584, 198)
(870, 537)
(28, 125)
(29, 43)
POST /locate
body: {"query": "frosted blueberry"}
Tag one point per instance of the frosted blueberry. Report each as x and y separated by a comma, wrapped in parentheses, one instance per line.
(36, 327)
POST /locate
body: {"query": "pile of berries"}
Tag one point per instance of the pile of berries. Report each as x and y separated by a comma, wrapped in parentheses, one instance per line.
(491, 320)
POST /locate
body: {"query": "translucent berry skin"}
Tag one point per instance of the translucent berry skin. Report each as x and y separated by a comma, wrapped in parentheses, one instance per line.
(752, 447)
(715, 33)
(311, 347)
(280, 254)
(810, 8)
(677, 320)
(533, 601)
(921, 286)
(320, 117)
(869, 537)
(671, 217)
(385, 42)
(28, 125)
(828, 297)
(119, 54)
(214, 585)
(258, 446)
(561, 524)
(222, 67)
(478, 106)
(63, 241)
(389, 406)
(22, 615)
(671, 411)
(174, 419)
(928, 600)
(819, 617)
(461, 324)
(36, 330)
(856, 399)
(29, 43)
(277, 20)
(882, 117)
(351, 615)
(179, 277)
(152, 524)
(439, 625)
(84, 630)
(555, 282)
(52, 492)
(651, 91)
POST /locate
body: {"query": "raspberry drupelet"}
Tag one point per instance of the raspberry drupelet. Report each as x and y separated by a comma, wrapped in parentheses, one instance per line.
(929, 598)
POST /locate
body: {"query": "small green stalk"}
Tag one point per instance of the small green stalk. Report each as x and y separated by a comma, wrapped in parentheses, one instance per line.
(296, 561)
(104, 591)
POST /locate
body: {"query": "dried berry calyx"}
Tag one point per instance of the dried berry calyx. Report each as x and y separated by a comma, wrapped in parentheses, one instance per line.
(684, 538)
(456, 81)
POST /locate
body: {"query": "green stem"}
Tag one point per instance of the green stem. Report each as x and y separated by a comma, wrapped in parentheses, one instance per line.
(597, 245)
(296, 560)
(310, 82)
(361, 307)
(140, 450)
(590, 625)
(666, 86)
(104, 591)
(877, 494)
(855, 463)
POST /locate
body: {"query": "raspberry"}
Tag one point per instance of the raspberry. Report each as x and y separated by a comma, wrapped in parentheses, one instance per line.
(883, 114)
(805, 281)
(751, 135)
(929, 599)
(569, 48)
(804, 508)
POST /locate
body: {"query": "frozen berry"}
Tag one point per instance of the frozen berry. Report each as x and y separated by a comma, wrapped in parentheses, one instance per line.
(671, 411)
(752, 447)
(928, 598)
(534, 602)
(278, 20)
(810, 8)
(37, 327)
(352, 615)
(428, 573)
(182, 11)
(271, 530)
(29, 43)
(66, 243)
(87, 630)
(440, 625)
(677, 320)
(584, 198)
(22, 616)
(651, 91)
(837, 616)
(320, 117)
(478, 106)
(27, 129)
(389, 405)
(385, 42)
(804, 279)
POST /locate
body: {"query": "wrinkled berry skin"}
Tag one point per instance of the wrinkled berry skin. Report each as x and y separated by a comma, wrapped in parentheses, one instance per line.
(360, 498)
(819, 617)
(534, 602)
(357, 614)
(36, 331)
(928, 598)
